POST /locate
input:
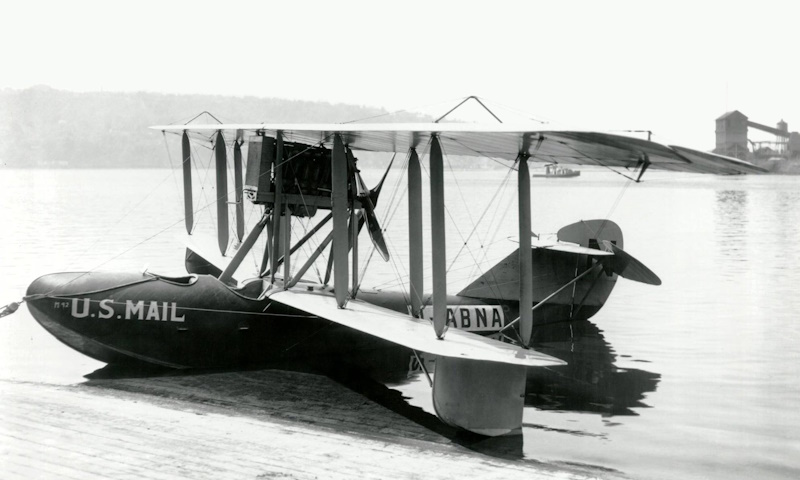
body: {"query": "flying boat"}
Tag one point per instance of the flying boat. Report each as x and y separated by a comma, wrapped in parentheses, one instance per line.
(479, 337)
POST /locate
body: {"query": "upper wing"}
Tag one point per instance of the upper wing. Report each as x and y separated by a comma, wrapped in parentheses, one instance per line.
(497, 141)
(412, 332)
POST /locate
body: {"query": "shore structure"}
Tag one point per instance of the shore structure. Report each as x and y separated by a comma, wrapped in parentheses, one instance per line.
(781, 155)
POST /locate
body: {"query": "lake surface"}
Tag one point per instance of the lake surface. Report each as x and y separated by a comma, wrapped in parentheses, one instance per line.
(696, 378)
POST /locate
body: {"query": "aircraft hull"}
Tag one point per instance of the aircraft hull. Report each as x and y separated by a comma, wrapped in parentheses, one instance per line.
(198, 322)
(190, 322)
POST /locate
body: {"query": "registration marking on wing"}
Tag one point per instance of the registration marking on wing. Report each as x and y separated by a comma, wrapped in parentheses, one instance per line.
(471, 318)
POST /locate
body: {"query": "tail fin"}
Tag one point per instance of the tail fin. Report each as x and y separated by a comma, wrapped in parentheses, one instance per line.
(606, 235)
(553, 268)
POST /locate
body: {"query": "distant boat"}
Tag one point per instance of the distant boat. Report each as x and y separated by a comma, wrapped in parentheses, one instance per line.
(554, 171)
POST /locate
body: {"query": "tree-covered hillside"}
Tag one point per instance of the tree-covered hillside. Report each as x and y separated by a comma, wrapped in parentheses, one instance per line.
(43, 127)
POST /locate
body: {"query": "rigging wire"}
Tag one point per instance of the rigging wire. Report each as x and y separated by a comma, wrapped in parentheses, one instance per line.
(204, 112)
(172, 166)
(400, 111)
(473, 97)
(202, 185)
(395, 201)
(449, 214)
(598, 162)
(391, 209)
(480, 219)
(501, 192)
(523, 113)
(305, 231)
(624, 188)
(121, 218)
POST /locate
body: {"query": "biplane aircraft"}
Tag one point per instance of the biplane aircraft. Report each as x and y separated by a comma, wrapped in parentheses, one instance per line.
(480, 337)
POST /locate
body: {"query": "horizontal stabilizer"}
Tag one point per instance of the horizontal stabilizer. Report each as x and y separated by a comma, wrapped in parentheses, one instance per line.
(411, 332)
(624, 265)
(568, 247)
(607, 235)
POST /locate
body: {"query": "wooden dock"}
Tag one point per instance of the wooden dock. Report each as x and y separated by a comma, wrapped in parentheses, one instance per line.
(259, 424)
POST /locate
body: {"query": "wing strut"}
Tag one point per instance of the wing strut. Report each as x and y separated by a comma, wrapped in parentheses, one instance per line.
(300, 243)
(188, 204)
(267, 249)
(313, 258)
(222, 192)
(276, 207)
(244, 249)
(286, 242)
(416, 287)
(358, 191)
(238, 183)
(525, 252)
(340, 230)
(438, 243)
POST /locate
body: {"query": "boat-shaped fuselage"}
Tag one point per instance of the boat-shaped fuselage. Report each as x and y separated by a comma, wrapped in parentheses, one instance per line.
(187, 322)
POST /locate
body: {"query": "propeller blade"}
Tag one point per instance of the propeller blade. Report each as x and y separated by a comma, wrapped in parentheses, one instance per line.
(373, 227)
(626, 266)
(361, 189)
(365, 196)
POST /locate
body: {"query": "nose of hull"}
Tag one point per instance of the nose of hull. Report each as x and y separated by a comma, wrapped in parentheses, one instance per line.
(78, 283)
(51, 284)
(43, 298)
(50, 299)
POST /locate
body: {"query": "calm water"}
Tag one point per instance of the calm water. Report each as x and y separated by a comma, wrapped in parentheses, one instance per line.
(696, 378)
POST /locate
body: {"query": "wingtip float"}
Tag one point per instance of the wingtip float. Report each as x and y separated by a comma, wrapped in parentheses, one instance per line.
(207, 319)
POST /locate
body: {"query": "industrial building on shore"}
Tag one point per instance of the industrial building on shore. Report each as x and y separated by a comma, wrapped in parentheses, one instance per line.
(781, 155)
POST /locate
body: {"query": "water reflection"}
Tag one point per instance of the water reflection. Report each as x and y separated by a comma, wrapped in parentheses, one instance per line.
(590, 382)
(731, 222)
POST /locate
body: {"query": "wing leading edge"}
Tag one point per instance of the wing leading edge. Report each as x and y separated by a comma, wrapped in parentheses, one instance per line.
(411, 332)
(496, 141)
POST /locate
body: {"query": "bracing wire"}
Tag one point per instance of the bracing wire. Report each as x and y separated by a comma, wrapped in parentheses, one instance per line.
(452, 219)
(391, 209)
(171, 166)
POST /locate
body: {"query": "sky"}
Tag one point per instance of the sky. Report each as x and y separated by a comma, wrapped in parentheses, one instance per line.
(669, 67)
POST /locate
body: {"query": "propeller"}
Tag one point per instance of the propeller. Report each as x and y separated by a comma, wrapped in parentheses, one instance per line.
(624, 265)
(365, 196)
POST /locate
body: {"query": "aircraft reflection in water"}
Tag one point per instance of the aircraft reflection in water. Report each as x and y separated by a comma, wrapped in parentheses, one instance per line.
(590, 382)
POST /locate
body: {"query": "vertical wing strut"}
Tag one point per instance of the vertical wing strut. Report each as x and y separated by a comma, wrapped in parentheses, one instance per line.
(221, 155)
